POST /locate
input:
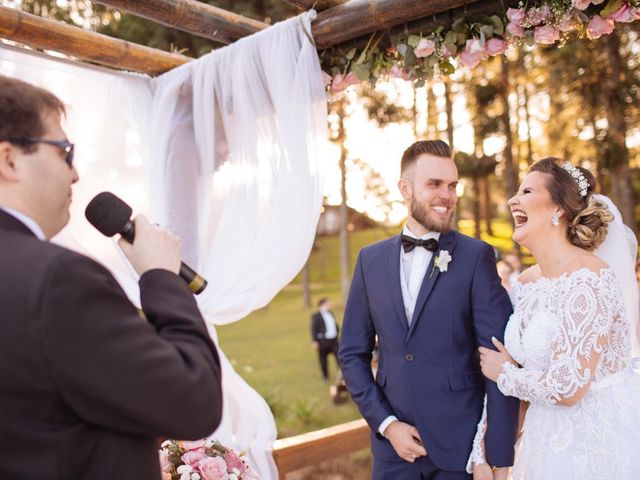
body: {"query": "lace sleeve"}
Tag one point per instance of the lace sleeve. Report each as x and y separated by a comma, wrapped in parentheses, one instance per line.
(477, 456)
(586, 315)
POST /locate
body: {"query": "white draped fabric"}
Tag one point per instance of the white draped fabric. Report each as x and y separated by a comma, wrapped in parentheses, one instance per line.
(233, 144)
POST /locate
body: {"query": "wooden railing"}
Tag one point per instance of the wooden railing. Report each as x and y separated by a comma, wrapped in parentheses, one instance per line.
(308, 449)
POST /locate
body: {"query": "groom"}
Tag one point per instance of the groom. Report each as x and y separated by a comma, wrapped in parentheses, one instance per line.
(431, 296)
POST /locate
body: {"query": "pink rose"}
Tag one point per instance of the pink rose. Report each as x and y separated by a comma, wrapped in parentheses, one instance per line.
(327, 79)
(213, 468)
(397, 72)
(624, 14)
(568, 23)
(515, 30)
(472, 54)
(424, 48)
(234, 462)
(192, 457)
(599, 26)
(165, 463)
(546, 35)
(341, 82)
(495, 46)
(516, 15)
(580, 4)
(192, 445)
(470, 59)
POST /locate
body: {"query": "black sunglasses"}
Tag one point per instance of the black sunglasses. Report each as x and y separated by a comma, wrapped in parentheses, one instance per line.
(65, 145)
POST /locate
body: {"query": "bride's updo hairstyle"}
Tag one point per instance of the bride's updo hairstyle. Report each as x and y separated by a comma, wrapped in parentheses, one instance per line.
(587, 217)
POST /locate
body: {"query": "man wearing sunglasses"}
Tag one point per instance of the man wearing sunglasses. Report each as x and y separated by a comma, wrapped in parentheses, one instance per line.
(86, 385)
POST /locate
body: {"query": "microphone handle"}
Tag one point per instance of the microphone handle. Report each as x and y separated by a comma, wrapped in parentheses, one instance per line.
(196, 282)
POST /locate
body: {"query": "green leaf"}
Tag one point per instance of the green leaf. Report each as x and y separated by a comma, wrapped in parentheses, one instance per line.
(402, 49)
(452, 47)
(459, 25)
(498, 25)
(362, 57)
(361, 71)
(410, 58)
(350, 54)
(413, 41)
(486, 31)
(611, 7)
(446, 68)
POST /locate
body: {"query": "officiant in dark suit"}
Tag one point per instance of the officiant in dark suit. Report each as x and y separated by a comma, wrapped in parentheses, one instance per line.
(324, 334)
(86, 384)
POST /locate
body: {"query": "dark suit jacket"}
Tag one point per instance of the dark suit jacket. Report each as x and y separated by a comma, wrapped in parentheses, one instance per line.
(318, 328)
(429, 373)
(86, 385)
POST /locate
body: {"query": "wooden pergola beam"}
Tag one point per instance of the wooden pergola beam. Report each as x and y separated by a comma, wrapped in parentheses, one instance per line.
(360, 17)
(318, 5)
(88, 46)
(191, 16)
(432, 22)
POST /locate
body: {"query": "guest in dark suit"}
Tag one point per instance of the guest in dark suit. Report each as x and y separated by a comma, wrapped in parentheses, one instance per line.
(430, 296)
(324, 335)
(87, 386)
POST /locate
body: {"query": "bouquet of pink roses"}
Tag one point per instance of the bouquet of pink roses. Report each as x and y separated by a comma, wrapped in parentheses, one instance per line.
(202, 460)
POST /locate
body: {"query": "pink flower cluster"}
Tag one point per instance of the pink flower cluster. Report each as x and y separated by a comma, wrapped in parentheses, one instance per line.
(203, 460)
(547, 29)
(474, 51)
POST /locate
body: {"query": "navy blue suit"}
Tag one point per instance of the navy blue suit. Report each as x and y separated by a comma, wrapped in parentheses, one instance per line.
(428, 372)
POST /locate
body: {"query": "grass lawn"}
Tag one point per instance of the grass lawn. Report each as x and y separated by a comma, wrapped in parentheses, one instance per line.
(271, 348)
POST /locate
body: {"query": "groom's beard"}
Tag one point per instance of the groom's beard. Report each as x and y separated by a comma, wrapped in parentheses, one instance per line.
(428, 219)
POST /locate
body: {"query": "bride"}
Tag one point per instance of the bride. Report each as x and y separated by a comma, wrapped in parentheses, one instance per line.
(569, 340)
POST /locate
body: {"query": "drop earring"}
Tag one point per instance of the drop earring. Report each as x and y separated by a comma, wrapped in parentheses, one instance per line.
(555, 220)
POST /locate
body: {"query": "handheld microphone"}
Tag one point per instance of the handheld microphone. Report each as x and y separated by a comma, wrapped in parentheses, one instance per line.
(111, 215)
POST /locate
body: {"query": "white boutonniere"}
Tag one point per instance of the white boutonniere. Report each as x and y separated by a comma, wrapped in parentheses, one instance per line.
(442, 261)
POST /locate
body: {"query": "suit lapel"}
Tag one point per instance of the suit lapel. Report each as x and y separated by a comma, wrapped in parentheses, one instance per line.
(447, 242)
(9, 222)
(393, 257)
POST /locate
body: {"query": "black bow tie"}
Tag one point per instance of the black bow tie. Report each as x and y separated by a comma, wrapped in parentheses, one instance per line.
(409, 243)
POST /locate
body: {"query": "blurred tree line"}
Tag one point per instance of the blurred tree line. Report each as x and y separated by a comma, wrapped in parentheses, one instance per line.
(579, 101)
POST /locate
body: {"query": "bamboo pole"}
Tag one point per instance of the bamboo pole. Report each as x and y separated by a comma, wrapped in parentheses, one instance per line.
(360, 17)
(317, 5)
(191, 16)
(432, 22)
(88, 46)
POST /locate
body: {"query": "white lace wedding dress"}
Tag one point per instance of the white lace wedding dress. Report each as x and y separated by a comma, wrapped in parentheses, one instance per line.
(557, 325)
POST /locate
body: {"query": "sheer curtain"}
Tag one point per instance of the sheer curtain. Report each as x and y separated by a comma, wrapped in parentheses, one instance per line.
(232, 145)
(236, 168)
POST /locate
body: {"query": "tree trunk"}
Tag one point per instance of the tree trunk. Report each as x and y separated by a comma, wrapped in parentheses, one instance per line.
(616, 148)
(306, 284)
(449, 110)
(486, 204)
(477, 216)
(345, 269)
(511, 170)
(432, 113)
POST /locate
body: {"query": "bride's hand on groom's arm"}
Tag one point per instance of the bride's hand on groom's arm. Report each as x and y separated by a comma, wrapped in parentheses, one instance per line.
(491, 361)
(482, 471)
(405, 440)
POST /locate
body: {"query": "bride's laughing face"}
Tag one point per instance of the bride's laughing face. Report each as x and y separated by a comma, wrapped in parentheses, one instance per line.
(532, 210)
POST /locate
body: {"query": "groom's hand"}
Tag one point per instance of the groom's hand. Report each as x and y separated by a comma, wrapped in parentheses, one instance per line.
(405, 440)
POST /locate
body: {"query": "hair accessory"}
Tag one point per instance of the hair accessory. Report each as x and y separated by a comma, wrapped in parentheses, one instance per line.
(578, 176)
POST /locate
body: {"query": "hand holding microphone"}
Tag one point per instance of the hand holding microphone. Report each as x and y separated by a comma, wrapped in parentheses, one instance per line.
(152, 248)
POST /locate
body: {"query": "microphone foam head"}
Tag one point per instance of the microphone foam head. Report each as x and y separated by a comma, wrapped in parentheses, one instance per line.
(108, 213)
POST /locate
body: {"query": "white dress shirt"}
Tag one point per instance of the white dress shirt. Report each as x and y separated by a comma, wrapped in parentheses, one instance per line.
(27, 221)
(330, 329)
(413, 266)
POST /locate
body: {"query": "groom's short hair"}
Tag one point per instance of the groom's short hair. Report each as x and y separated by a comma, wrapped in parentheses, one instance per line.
(437, 148)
